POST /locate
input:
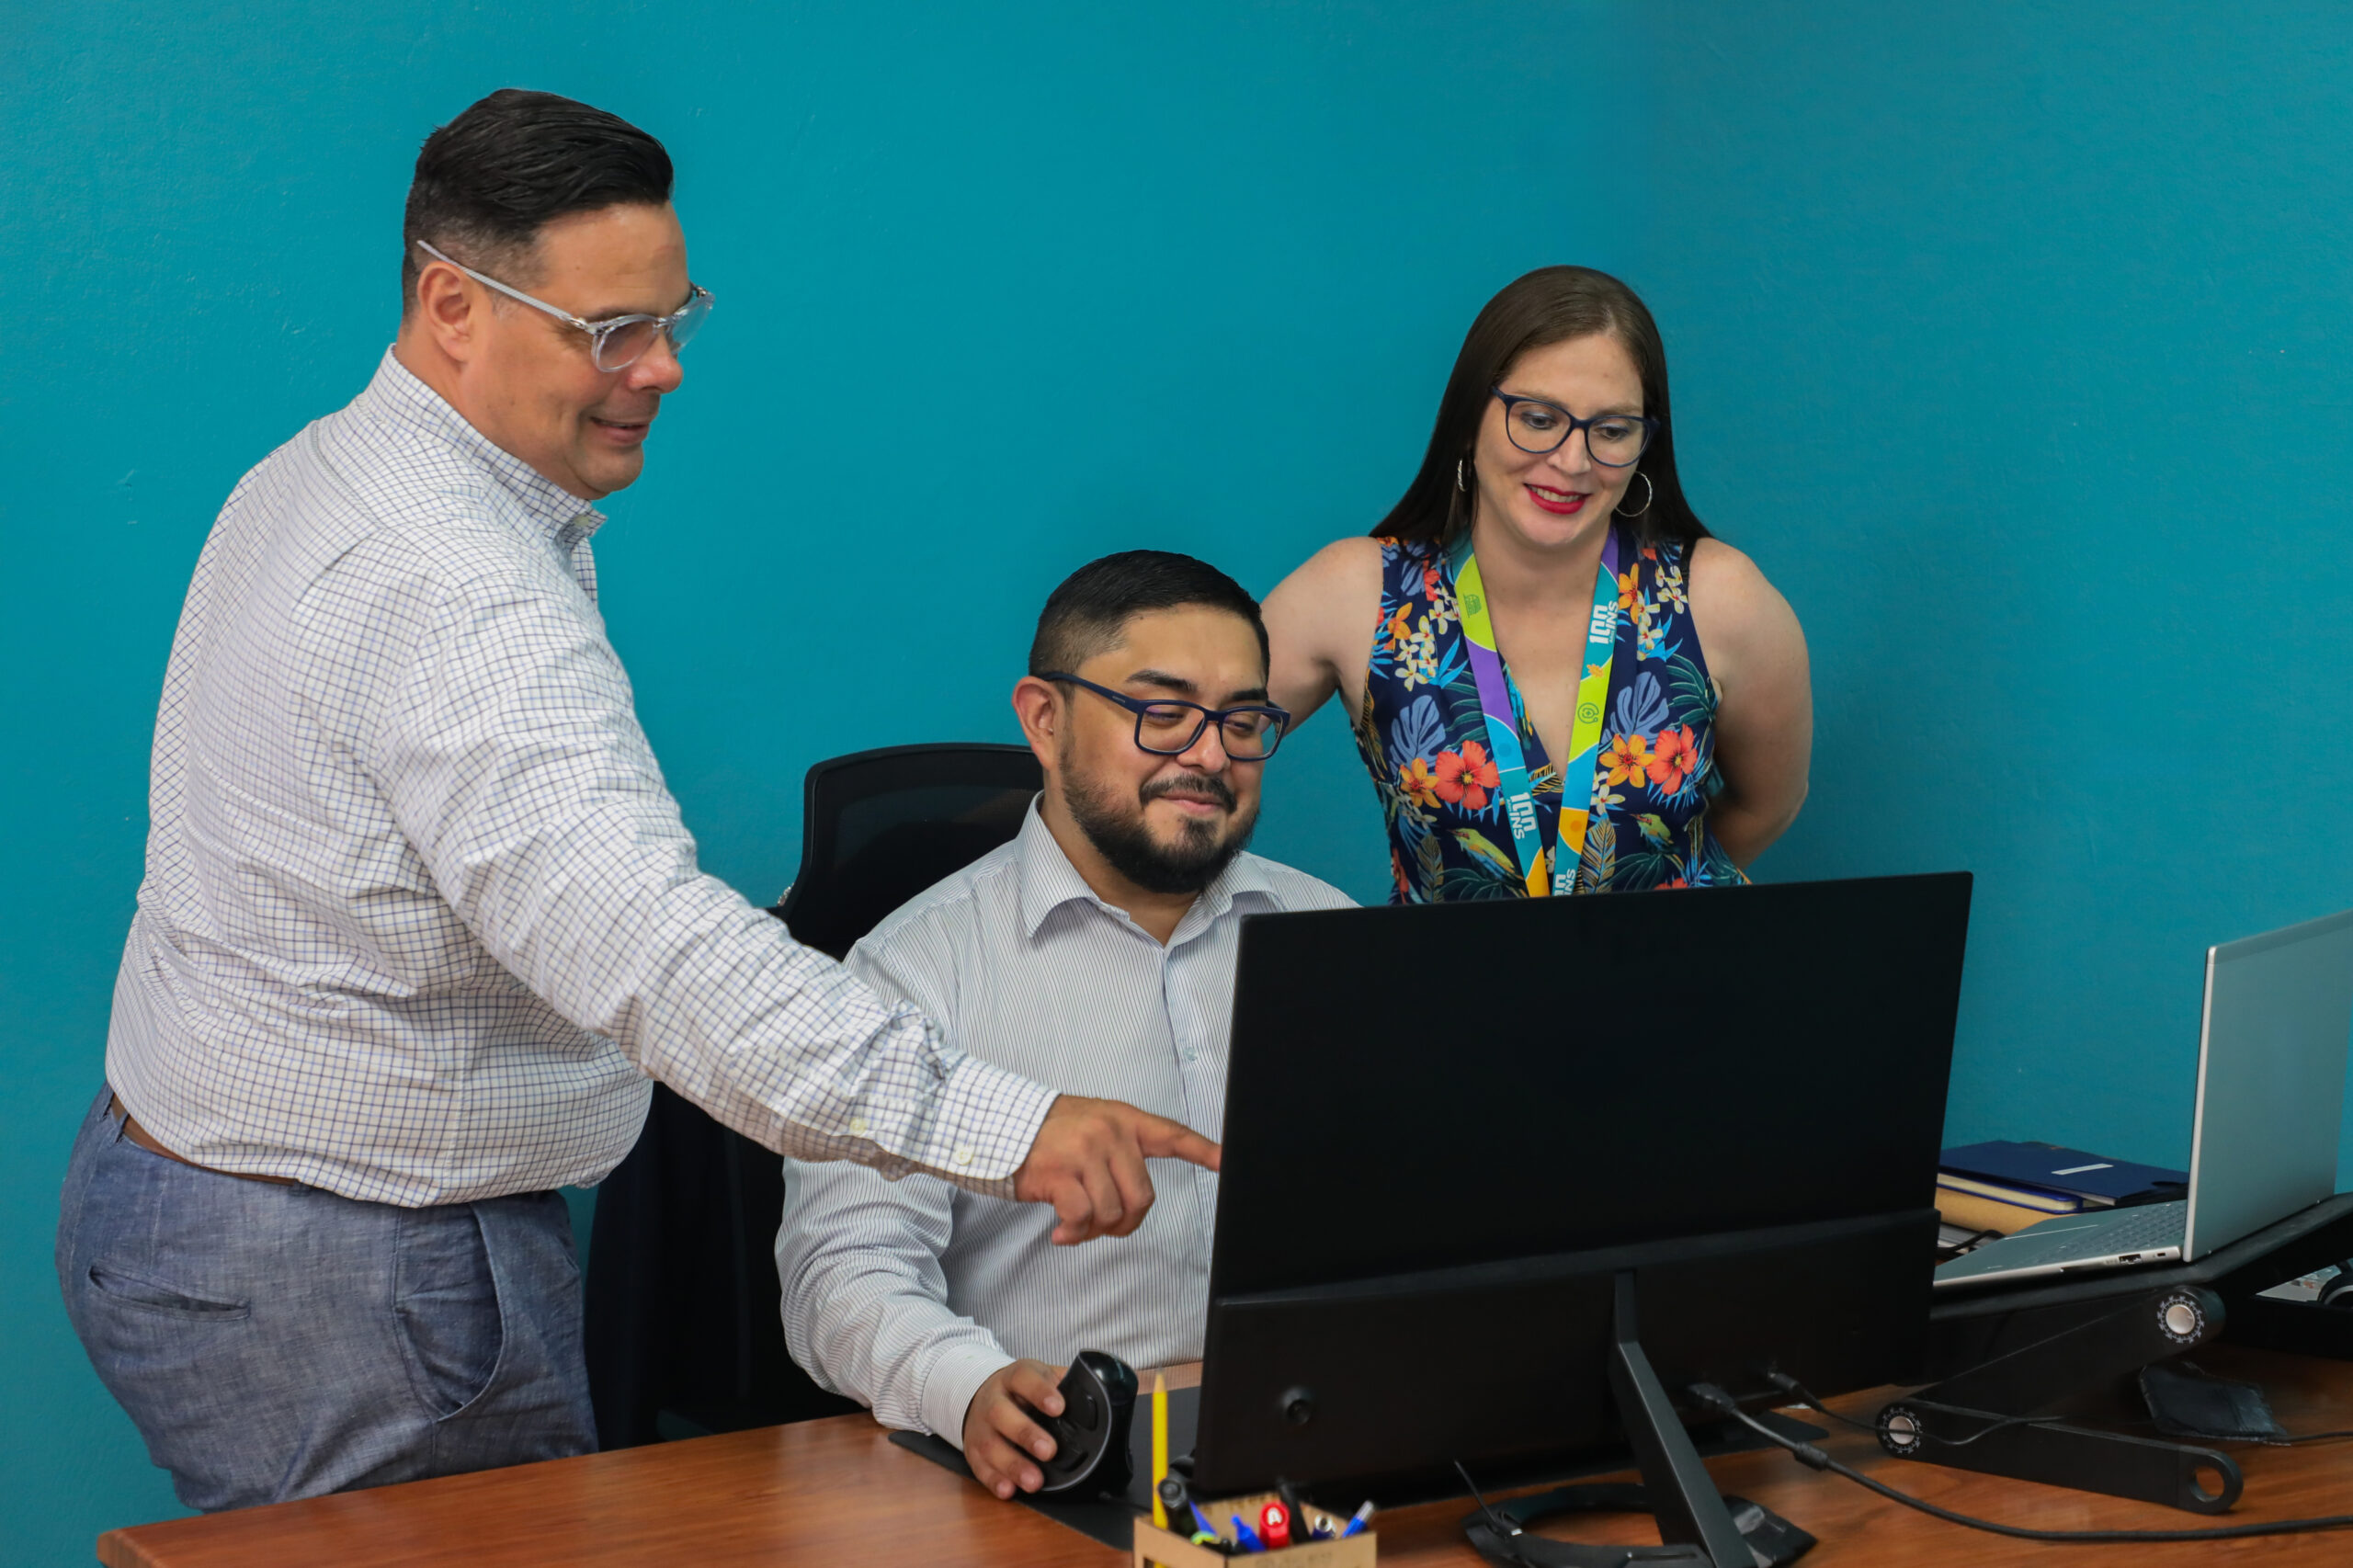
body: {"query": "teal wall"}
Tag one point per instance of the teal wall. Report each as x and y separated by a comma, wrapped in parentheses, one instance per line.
(1001, 289)
(2004, 343)
(2012, 340)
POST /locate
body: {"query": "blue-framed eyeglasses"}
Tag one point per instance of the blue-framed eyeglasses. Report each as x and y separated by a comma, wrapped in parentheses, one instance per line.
(1616, 440)
(617, 344)
(1166, 727)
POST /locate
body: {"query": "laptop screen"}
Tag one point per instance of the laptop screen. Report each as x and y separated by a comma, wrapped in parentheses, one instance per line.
(2270, 1079)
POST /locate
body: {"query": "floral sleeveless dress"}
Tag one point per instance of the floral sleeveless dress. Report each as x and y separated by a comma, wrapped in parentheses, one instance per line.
(1424, 740)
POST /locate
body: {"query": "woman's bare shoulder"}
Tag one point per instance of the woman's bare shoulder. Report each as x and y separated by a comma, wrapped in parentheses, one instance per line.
(1724, 568)
(1734, 605)
(1332, 588)
(1320, 620)
(1343, 564)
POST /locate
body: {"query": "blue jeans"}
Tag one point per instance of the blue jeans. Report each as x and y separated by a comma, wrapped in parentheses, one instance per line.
(280, 1341)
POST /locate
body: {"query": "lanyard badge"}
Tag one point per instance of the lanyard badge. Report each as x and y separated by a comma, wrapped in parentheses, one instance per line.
(1503, 732)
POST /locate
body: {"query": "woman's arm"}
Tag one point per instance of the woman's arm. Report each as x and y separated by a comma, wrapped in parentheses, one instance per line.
(1756, 650)
(1320, 626)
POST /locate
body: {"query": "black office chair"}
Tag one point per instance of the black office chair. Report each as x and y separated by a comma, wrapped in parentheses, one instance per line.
(683, 1333)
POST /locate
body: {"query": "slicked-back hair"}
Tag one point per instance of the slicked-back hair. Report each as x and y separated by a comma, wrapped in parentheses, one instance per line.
(490, 180)
(1091, 610)
(1551, 304)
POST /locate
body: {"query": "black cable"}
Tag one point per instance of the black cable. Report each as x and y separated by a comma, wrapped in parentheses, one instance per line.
(2294, 1438)
(2001, 1424)
(1508, 1531)
(1804, 1396)
(1815, 1459)
(1494, 1521)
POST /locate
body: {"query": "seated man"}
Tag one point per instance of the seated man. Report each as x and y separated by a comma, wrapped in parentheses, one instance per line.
(1095, 953)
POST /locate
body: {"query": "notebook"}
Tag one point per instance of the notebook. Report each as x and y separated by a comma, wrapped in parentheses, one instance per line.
(2018, 1173)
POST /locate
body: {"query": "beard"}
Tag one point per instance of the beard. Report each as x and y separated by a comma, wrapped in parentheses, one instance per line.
(1202, 850)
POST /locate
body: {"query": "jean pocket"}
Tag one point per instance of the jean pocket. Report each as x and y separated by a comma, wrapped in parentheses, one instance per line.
(154, 1295)
(446, 1305)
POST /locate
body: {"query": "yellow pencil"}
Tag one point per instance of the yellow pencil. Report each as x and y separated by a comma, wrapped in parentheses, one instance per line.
(1159, 1447)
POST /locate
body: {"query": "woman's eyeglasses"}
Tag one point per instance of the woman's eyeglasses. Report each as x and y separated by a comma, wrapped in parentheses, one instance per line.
(617, 344)
(1616, 440)
(1168, 728)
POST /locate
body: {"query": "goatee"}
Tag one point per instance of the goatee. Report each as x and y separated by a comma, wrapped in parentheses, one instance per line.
(1201, 850)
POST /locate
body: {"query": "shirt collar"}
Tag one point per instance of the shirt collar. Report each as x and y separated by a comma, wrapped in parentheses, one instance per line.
(395, 394)
(1049, 880)
(1241, 878)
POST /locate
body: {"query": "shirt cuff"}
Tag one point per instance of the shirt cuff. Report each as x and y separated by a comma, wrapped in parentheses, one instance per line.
(955, 1378)
(987, 1118)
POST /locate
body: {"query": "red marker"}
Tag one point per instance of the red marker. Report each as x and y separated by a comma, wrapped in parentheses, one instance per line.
(1274, 1526)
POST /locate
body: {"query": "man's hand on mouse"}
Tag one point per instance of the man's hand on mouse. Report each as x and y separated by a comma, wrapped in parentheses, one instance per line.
(1002, 1442)
(1087, 1161)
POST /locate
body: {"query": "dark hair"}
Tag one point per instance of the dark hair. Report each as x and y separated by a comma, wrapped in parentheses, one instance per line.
(1550, 305)
(488, 181)
(1092, 607)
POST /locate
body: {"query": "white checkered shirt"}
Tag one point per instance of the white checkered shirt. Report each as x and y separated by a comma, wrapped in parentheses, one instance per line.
(419, 917)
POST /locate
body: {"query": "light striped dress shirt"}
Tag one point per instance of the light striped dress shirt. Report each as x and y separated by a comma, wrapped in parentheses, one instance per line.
(908, 1295)
(419, 915)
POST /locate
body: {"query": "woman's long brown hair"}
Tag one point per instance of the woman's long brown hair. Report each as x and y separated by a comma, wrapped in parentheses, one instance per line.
(1550, 305)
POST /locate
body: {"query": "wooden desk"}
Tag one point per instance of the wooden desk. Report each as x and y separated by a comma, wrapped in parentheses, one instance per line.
(837, 1491)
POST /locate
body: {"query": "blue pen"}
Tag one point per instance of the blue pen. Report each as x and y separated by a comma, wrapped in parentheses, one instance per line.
(1247, 1536)
(1200, 1518)
(1358, 1520)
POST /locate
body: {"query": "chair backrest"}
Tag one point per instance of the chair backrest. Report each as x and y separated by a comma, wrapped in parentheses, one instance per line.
(683, 1333)
(881, 826)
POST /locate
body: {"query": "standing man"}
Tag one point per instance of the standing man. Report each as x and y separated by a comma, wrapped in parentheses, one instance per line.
(420, 918)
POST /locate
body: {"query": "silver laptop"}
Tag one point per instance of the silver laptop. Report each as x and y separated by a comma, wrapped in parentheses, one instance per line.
(2271, 1055)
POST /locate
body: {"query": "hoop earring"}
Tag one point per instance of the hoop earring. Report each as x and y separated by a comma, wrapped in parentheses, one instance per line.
(1650, 493)
(1459, 482)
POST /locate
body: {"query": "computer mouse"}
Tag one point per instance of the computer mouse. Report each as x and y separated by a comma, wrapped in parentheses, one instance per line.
(1091, 1434)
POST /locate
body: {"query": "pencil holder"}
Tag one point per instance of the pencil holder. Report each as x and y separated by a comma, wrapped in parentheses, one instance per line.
(1169, 1550)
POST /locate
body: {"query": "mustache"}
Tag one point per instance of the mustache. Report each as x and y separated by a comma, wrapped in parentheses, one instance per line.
(1199, 786)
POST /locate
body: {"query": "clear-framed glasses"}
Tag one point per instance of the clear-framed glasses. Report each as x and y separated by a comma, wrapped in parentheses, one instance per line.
(617, 344)
(1616, 440)
(1166, 727)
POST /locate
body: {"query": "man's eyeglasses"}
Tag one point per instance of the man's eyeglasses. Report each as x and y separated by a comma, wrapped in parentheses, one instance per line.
(1168, 728)
(1616, 440)
(617, 344)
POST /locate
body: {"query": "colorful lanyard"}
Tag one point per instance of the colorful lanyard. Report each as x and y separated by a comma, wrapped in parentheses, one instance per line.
(1503, 730)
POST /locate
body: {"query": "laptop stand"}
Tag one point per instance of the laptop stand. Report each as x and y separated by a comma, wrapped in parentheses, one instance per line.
(2005, 1357)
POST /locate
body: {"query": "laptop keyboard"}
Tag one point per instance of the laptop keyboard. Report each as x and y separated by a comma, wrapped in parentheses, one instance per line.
(2068, 1240)
(2149, 1225)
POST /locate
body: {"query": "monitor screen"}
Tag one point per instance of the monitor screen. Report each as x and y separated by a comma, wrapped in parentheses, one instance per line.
(1448, 1126)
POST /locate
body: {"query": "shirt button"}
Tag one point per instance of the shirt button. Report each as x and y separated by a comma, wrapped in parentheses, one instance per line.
(857, 1125)
(963, 1157)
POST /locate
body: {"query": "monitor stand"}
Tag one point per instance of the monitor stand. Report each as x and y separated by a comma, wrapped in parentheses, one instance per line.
(1682, 1495)
(1711, 1529)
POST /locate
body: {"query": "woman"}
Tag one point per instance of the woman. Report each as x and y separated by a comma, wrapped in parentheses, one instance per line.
(1541, 592)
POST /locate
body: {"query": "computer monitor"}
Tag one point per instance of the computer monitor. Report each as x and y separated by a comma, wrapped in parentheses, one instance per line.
(1470, 1147)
